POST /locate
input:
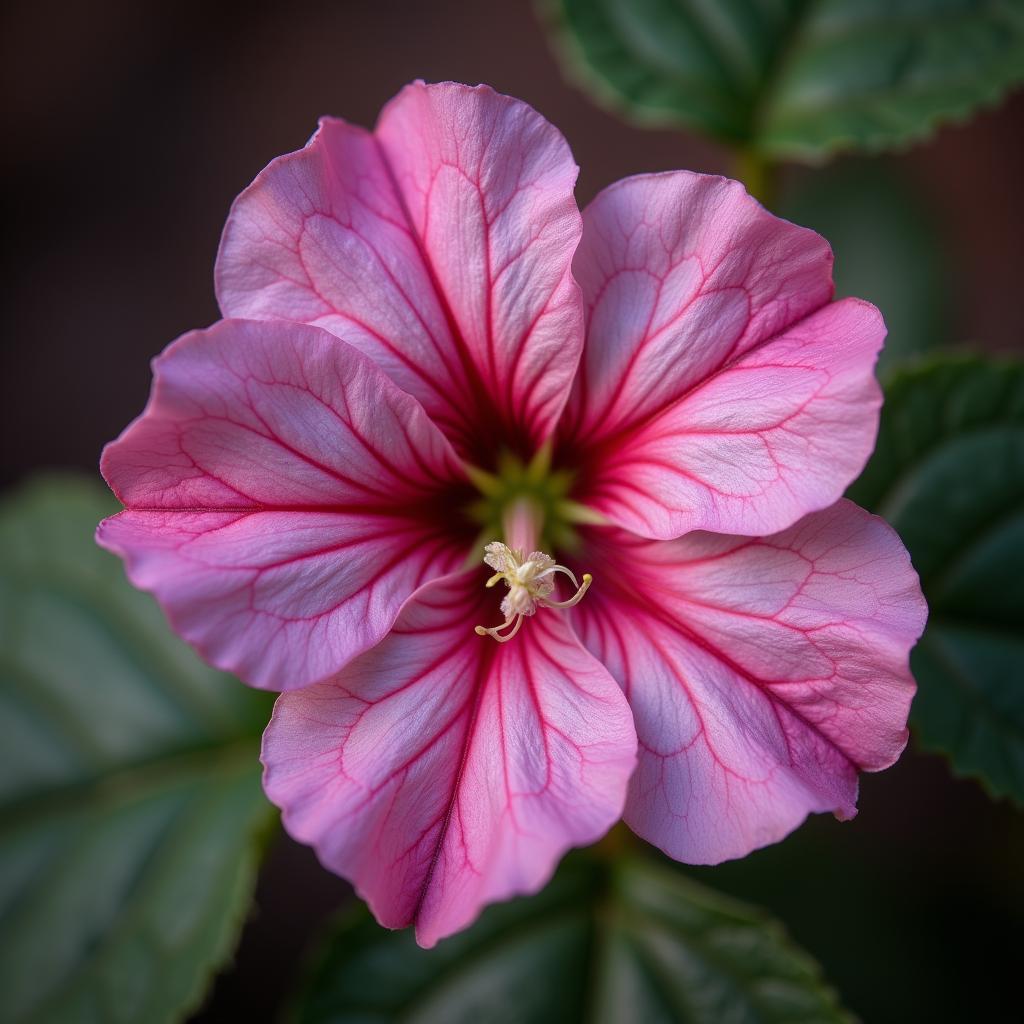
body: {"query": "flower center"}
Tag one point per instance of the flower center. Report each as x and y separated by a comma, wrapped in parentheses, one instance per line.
(530, 581)
(545, 488)
(528, 505)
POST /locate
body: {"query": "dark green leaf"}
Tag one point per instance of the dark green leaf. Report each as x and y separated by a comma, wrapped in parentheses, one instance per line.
(794, 78)
(607, 943)
(886, 248)
(948, 473)
(130, 802)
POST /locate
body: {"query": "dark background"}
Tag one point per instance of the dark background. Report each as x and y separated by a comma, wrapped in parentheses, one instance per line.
(128, 128)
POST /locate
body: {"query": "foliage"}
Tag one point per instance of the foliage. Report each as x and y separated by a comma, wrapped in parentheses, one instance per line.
(948, 473)
(130, 806)
(627, 940)
(798, 79)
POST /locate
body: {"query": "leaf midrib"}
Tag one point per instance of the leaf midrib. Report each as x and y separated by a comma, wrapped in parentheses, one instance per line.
(133, 778)
(606, 916)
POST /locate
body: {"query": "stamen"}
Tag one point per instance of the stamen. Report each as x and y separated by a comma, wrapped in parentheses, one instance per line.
(576, 598)
(560, 568)
(529, 583)
(494, 631)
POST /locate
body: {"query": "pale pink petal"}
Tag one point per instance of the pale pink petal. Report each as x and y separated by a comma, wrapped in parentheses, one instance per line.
(283, 499)
(441, 771)
(763, 673)
(440, 246)
(719, 390)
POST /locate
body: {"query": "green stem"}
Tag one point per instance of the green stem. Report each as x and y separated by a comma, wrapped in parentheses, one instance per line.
(758, 174)
(618, 843)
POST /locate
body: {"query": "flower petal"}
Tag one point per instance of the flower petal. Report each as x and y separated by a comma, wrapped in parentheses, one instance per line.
(763, 673)
(440, 246)
(283, 499)
(719, 390)
(442, 771)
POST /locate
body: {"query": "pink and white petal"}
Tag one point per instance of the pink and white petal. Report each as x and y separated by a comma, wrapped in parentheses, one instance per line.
(763, 673)
(774, 435)
(718, 389)
(280, 598)
(283, 499)
(440, 246)
(440, 771)
(321, 237)
(681, 273)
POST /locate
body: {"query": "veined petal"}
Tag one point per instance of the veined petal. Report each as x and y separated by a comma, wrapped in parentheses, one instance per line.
(719, 389)
(763, 673)
(440, 246)
(283, 499)
(441, 771)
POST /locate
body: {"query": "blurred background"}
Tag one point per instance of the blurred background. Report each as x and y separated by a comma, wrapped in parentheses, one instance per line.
(128, 129)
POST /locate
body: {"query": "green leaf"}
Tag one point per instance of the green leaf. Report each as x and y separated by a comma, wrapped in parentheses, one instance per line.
(948, 473)
(886, 248)
(130, 803)
(603, 943)
(794, 78)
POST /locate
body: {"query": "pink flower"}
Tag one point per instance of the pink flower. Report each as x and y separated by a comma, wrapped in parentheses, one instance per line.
(403, 378)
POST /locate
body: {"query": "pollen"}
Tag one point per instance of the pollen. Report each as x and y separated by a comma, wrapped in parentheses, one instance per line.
(531, 581)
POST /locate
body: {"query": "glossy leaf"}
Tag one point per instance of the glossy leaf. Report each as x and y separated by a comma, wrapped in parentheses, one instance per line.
(886, 249)
(799, 78)
(130, 802)
(630, 941)
(948, 473)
